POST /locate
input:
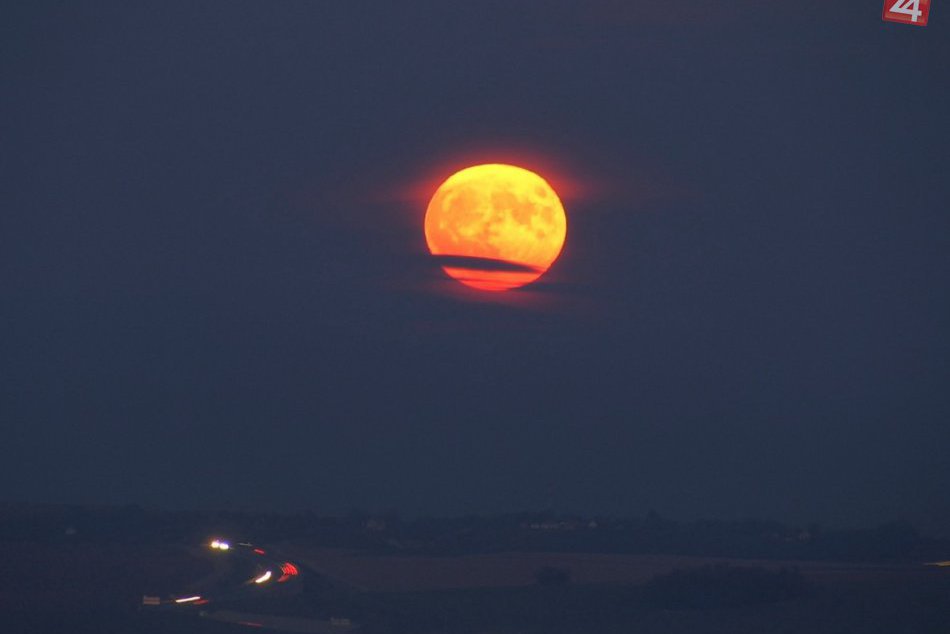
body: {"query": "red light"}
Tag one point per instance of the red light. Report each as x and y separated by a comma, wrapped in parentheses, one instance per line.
(289, 571)
(259, 551)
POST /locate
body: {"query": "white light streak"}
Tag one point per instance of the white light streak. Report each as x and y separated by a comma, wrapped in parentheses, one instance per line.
(188, 599)
(264, 577)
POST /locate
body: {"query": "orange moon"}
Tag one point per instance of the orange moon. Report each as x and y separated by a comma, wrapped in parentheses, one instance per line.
(495, 227)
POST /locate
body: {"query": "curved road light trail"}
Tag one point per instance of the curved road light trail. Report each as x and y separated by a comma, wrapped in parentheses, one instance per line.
(232, 589)
(228, 587)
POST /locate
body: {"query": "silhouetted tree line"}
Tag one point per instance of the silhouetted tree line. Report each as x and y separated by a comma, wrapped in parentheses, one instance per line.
(523, 532)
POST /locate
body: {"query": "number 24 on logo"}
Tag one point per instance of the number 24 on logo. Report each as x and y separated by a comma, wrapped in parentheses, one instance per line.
(907, 11)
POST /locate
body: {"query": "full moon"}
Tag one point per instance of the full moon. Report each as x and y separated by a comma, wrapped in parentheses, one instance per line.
(496, 226)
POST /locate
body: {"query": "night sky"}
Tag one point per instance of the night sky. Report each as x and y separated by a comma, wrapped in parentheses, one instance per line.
(216, 291)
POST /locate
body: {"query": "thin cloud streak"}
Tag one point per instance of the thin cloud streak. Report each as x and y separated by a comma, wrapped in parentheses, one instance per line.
(483, 264)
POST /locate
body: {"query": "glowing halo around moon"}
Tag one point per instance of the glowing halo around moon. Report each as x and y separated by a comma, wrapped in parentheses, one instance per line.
(495, 227)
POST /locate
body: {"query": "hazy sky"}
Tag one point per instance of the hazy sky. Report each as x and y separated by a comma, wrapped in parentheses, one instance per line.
(215, 288)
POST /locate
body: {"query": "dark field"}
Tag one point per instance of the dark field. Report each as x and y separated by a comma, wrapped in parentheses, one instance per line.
(98, 588)
(399, 579)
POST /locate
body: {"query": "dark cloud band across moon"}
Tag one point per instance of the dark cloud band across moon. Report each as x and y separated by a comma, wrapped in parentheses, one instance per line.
(482, 264)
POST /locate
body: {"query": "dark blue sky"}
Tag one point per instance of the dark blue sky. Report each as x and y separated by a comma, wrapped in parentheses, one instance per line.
(216, 291)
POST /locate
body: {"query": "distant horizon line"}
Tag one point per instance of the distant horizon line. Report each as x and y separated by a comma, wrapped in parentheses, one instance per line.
(548, 513)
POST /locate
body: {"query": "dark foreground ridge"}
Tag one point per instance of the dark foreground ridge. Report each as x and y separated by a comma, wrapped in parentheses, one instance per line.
(86, 569)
